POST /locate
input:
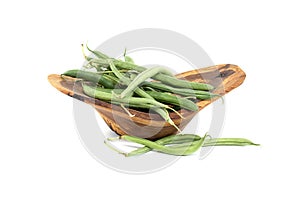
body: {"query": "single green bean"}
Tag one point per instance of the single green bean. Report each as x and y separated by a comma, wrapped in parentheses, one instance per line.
(127, 81)
(228, 142)
(112, 78)
(143, 106)
(90, 76)
(186, 140)
(84, 55)
(181, 91)
(175, 100)
(97, 53)
(144, 76)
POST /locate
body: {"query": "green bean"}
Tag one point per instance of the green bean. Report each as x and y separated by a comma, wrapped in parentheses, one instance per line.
(144, 76)
(143, 106)
(109, 72)
(228, 142)
(97, 53)
(107, 90)
(90, 76)
(112, 78)
(181, 91)
(220, 142)
(175, 100)
(84, 55)
(186, 140)
(102, 63)
(127, 81)
(179, 151)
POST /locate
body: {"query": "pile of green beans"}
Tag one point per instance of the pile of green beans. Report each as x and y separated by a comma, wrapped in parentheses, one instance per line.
(179, 145)
(135, 89)
(126, 84)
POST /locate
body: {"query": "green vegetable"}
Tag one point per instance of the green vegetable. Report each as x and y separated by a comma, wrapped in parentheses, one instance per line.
(161, 97)
(162, 112)
(148, 73)
(97, 53)
(181, 91)
(165, 78)
(179, 151)
(92, 92)
(90, 76)
(130, 101)
(185, 141)
(228, 142)
(175, 100)
(173, 81)
(172, 139)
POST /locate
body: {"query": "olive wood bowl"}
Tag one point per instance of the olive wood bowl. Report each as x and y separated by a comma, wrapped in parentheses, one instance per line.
(224, 78)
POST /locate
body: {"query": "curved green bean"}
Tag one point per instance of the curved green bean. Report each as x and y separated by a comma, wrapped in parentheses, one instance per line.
(148, 73)
(186, 140)
(97, 53)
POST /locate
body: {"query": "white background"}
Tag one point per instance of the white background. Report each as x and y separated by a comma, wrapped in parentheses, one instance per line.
(41, 154)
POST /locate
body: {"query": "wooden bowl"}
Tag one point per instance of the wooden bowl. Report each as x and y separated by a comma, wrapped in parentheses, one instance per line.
(224, 77)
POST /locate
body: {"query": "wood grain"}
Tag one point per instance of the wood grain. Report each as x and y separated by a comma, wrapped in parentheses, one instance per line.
(224, 77)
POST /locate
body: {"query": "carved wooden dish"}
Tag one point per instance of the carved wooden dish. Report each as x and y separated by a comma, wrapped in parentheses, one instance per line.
(224, 77)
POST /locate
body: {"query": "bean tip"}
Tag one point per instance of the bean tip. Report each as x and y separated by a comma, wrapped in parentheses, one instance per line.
(113, 138)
